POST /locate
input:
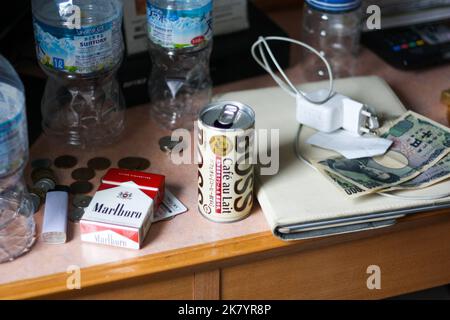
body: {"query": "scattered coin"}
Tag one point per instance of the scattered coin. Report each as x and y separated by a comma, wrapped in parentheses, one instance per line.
(75, 214)
(134, 163)
(166, 143)
(66, 162)
(83, 174)
(81, 187)
(81, 201)
(99, 163)
(42, 173)
(41, 163)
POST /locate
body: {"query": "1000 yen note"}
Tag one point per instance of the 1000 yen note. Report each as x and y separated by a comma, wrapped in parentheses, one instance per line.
(344, 185)
(418, 144)
(437, 173)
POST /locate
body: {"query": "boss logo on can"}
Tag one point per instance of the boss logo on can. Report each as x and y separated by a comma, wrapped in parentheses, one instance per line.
(225, 172)
(220, 145)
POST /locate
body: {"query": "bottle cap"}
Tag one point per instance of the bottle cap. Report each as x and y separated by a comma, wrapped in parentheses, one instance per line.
(334, 5)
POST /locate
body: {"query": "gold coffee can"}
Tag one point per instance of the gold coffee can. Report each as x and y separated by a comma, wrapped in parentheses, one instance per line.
(225, 150)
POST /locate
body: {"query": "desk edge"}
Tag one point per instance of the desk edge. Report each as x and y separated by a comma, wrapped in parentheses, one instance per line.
(191, 257)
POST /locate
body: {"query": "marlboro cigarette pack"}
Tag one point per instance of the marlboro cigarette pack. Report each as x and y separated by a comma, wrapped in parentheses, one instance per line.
(122, 209)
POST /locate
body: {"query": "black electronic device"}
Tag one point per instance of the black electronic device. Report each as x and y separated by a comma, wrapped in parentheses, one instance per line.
(412, 47)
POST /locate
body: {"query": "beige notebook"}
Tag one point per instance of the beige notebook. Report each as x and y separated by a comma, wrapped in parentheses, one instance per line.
(299, 202)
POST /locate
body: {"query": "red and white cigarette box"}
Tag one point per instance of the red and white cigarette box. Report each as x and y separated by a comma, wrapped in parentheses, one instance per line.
(122, 209)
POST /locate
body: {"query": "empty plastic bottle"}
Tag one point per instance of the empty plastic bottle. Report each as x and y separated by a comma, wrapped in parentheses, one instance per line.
(17, 227)
(79, 46)
(332, 27)
(180, 37)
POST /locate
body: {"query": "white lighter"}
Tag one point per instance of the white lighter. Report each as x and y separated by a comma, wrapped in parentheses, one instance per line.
(55, 215)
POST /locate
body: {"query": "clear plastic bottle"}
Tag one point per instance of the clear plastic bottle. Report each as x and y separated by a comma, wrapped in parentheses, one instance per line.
(17, 227)
(332, 27)
(180, 37)
(79, 46)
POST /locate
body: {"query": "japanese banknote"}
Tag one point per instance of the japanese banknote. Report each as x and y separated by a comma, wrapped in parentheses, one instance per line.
(416, 159)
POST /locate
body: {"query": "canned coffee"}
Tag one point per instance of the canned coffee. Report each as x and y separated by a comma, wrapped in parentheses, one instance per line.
(225, 171)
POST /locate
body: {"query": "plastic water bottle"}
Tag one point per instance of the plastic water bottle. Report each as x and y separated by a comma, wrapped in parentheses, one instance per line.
(17, 227)
(79, 45)
(332, 27)
(180, 37)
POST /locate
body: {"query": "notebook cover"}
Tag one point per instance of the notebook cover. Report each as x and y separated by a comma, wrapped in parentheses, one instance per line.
(297, 194)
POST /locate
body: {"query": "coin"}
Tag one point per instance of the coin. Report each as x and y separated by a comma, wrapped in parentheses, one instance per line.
(99, 163)
(81, 187)
(42, 173)
(39, 192)
(75, 214)
(66, 162)
(166, 143)
(134, 163)
(83, 174)
(36, 197)
(35, 201)
(81, 201)
(41, 163)
(44, 184)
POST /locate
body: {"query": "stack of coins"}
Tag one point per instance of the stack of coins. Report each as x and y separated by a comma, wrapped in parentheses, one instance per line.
(44, 179)
(79, 204)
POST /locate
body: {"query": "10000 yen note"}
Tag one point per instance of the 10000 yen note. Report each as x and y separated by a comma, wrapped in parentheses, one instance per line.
(437, 173)
(418, 144)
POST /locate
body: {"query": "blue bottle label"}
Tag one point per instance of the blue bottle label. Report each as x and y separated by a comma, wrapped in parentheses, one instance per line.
(173, 29)
(84, 50)
(13, 130)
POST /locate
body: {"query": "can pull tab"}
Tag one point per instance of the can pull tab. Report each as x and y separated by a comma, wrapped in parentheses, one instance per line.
(227, 115)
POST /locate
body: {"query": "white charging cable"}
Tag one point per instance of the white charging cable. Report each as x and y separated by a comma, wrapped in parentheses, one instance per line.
(323, 110)
(288, 86)
(294, 92)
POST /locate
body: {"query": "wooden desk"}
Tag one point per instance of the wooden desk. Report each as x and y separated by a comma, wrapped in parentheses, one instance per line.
(191, 258)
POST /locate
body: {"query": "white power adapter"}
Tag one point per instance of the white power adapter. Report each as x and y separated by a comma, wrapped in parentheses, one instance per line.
(329, 112)
(323, 110)
(337, 112)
